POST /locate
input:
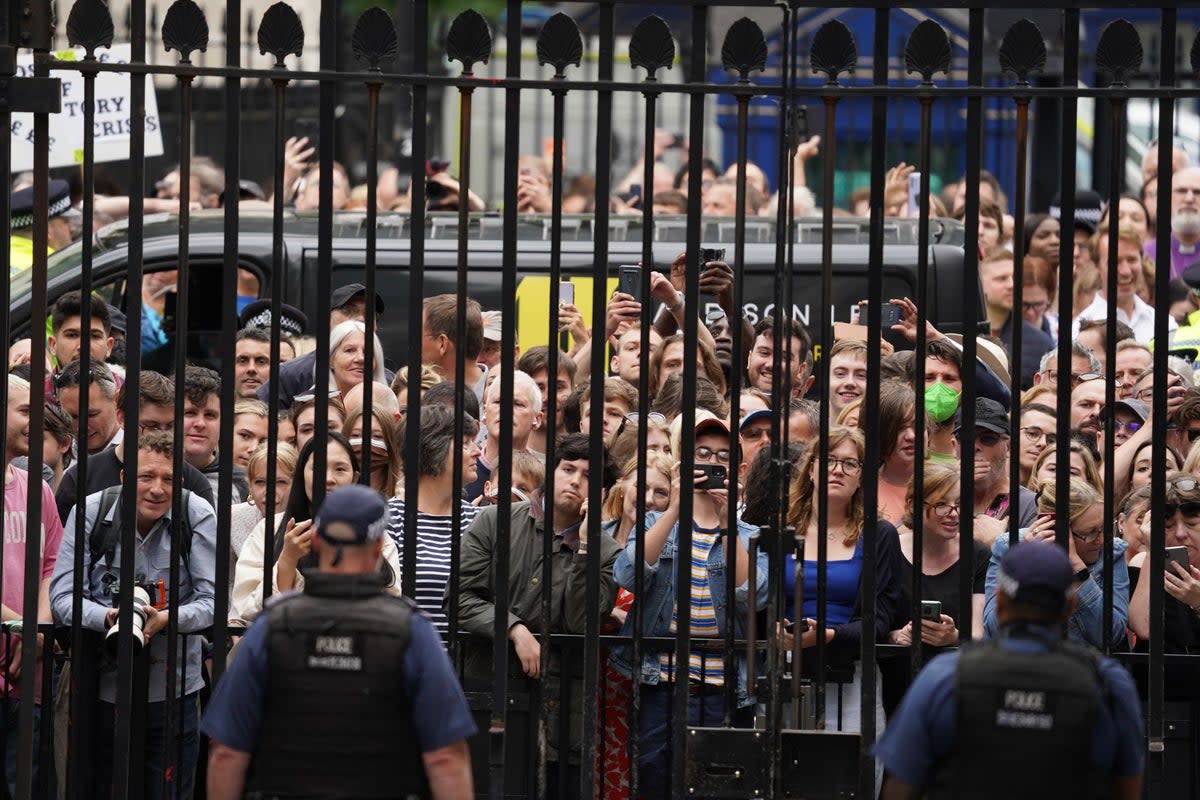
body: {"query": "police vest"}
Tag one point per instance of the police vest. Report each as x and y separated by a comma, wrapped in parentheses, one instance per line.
(1024, 725)
(337, 722)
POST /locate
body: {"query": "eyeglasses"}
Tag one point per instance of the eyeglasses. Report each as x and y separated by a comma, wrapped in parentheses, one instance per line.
(1184, 191)
(1193, 434)
(706, 453)
(1035, 434)
(849, 466)
(989, 438)
(1084, 377)
(653, 416)
(1035, 307)
(154, 427)
(1118, 426)
(754, 433)
(944, 510)
(1089, 536)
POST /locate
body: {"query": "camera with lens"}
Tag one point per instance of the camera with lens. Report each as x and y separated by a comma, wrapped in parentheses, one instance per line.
(142, 599)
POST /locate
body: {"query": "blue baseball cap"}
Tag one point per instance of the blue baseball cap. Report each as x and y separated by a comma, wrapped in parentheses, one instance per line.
(359, 508)
(756, 414)
(1037, 573)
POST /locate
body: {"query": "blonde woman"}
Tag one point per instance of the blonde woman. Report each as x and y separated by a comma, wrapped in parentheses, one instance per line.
(1085, 510)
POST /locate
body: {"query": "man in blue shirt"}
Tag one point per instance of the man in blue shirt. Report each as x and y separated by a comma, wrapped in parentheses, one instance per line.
(341, 690)
(100, 583)
(1026, 715)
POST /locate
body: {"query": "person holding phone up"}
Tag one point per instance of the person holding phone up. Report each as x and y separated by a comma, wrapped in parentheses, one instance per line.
(709, 616)
(1181, 574)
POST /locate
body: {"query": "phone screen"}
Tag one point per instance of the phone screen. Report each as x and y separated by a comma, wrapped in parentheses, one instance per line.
(566, 293)
(630, 281)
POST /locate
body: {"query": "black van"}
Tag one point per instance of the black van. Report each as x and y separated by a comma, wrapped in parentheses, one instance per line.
(160, 252)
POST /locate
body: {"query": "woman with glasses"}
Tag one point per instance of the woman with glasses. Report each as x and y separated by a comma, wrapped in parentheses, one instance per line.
(1085, 510)
(941, 567)
(437, 506)
(841, 581)
(1180, 583)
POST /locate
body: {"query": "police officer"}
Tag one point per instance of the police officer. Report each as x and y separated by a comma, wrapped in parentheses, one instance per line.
(342, 690)
(59, 230)
(1026, 715)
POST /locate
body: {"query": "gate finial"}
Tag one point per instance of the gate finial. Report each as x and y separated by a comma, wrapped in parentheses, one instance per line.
(375, 40)
(1023, 50)
(651, 47)
(560, 44)
(833, 50)
(1119, 51)
(90, 26)
(744, 49)
(281, 33)
(469, 40)
(185, 30)
(928, 50)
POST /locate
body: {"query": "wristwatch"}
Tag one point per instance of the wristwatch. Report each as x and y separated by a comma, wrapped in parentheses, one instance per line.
(1082, 575)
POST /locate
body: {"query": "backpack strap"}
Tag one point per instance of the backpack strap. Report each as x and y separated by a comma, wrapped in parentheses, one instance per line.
(103, 540)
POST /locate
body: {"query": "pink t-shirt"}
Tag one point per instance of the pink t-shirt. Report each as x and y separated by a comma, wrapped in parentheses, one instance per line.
(16, 502)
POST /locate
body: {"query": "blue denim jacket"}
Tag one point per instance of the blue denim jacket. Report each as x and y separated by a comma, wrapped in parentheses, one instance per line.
(1087, 623)
(658, 599)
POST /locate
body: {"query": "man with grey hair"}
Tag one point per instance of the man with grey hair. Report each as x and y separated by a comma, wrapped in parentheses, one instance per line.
(1185, 222)
(1083, 362)
(104, 417)
(526, 415)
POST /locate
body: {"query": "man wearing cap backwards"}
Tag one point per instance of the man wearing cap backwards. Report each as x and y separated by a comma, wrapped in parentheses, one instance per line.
(58, 230)
(1026, 714)
(341, 690)
(297, 376)
(709, 616)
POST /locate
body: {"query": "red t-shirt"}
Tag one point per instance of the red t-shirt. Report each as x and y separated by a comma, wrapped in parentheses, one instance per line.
(16, 503)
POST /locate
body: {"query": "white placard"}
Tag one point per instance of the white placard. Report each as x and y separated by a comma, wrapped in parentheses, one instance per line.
(66, 128)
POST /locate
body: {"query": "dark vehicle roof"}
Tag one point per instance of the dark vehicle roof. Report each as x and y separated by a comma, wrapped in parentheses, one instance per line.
(485, 256)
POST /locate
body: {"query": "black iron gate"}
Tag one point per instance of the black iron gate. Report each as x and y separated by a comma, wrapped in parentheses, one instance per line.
(777, 757)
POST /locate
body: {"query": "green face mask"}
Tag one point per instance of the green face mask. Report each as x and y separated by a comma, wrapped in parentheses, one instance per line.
(940, 401)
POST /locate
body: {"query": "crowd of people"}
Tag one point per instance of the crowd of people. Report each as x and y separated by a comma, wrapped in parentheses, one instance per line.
(460, 469)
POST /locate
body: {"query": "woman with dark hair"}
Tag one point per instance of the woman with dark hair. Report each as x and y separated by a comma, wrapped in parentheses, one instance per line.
(842, 578)
(292, 542)
(898, 447)
(1042, 237)
(435, 507)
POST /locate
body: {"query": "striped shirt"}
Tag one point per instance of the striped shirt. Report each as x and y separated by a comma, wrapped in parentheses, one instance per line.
(433, 556)
(703, 623)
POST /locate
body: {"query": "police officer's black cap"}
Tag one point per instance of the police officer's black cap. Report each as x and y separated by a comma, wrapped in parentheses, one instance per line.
(1037, 574)
(1089, 209)
(292, 321)
(1191, 275)
(116, 319)
(59, 203)
(344, 294)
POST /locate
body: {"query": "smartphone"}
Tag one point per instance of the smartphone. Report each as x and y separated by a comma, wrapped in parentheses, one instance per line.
(716, 476)
(914, 194)
(791, 626)
(931, 610)
(708, 254)
(629, 280)
(310, 128)
(566, 293)
(889, 316)
(1179, 555)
